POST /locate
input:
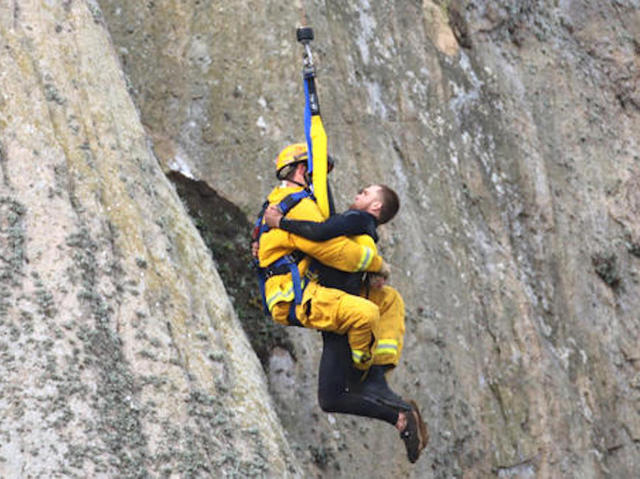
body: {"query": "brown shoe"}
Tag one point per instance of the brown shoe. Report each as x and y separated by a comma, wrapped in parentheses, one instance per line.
(423, 431)
(414, 435)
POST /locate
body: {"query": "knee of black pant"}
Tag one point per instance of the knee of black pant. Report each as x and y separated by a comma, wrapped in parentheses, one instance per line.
(328, 402)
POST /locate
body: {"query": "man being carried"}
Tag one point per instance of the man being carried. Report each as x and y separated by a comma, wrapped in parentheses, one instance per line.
(372, 206)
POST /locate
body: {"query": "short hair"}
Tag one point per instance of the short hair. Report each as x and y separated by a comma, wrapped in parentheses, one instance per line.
(390, 204)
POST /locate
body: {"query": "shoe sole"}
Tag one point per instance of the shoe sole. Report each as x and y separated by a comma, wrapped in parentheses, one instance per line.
(422, 426)
(412, 440)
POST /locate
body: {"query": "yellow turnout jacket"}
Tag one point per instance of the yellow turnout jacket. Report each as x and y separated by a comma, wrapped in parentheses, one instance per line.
(341, 253)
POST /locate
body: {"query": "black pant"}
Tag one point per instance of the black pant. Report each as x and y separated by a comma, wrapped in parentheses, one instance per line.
(333, 379)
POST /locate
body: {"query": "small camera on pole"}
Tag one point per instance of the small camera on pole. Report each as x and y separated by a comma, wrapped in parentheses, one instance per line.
(305, 36)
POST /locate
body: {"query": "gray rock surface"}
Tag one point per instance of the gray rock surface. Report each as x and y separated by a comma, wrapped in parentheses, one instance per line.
(510, 130)
(121, 355)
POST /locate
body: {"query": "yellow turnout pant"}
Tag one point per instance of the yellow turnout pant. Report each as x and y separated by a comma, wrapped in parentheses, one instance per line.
(389, 330)
(329, 309)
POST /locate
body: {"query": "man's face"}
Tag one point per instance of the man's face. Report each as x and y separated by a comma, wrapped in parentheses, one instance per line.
(301, 173)
(366, 197)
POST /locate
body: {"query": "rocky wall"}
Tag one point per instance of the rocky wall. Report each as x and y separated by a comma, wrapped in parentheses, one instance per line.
(121, 355)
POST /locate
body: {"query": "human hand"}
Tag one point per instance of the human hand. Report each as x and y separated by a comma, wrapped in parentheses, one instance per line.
(272, 216)
(376, 281)
(385, 270)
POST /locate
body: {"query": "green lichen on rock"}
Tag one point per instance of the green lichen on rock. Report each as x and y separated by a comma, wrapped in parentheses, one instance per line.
(605, 265)
(323, 457)
(44, 300)
(12, 249)
(119, 422)
(51, 93)
(634, 248)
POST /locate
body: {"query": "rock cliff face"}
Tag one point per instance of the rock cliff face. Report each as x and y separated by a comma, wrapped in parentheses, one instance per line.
(121, 354)
(508, 128)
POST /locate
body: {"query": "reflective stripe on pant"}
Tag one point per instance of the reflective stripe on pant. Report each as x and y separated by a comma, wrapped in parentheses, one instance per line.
(389, 330)
(329, 309)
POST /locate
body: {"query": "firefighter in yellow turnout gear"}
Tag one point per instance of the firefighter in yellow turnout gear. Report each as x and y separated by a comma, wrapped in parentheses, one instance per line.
(322, 308)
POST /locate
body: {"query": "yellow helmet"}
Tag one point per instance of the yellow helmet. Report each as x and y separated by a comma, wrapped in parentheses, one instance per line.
(289, 157)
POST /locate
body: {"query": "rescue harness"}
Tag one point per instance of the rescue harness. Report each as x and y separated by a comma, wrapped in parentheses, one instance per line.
(287, 263)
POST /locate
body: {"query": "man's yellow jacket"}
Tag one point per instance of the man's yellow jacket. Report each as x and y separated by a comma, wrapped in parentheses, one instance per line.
(341, 253)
